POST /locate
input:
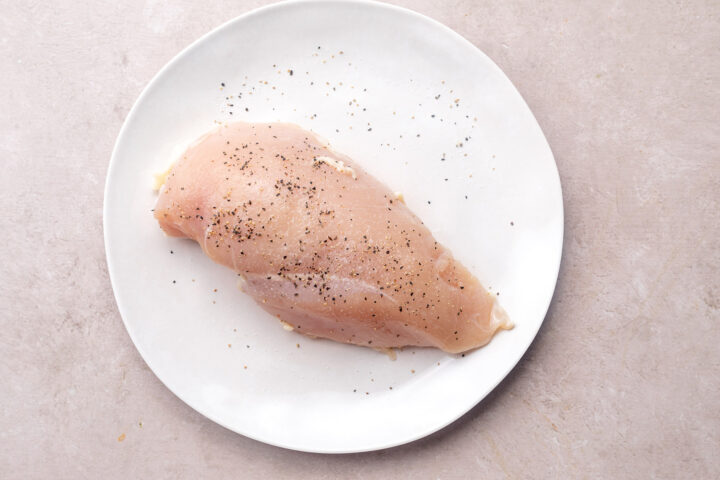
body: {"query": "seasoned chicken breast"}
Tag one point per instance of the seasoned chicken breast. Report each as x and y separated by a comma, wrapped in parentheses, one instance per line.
(320, 244)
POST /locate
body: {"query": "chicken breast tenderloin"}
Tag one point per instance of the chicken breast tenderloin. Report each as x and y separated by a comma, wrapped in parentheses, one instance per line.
(321, 244)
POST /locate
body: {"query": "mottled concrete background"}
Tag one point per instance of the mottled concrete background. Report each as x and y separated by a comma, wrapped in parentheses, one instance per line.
(623, 380)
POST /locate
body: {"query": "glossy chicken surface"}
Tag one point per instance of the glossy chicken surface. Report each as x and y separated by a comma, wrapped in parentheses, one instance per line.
(320, 244)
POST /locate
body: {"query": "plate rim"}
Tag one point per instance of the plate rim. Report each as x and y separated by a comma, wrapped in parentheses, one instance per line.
(433, 428)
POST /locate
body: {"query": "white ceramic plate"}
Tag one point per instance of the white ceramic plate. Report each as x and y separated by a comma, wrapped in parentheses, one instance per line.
(399, 93)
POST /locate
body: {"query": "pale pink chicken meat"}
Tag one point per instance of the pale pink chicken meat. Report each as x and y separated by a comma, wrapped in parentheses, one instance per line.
(321, 244)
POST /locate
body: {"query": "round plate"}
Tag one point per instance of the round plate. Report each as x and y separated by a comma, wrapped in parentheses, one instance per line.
(420, 108)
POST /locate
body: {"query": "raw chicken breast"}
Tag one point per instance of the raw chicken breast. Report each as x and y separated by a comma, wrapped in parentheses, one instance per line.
(321, 244)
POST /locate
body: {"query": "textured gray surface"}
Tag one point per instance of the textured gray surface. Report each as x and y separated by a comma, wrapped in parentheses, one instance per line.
(623, 380)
